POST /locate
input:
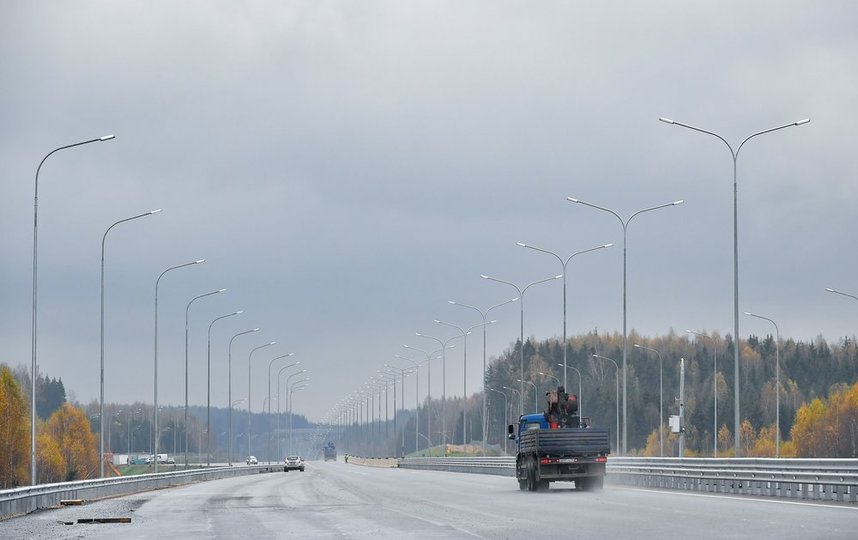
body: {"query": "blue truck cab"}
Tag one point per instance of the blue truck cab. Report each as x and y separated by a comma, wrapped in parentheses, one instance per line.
(559, 445)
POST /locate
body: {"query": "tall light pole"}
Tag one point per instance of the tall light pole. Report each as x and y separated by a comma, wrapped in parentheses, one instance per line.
(625, 225)
(279, 374)
(157, 415)
(229, 398)
(777, 382)
(521, 291)
(465, 334)
(249, 358)
(209, 386)
(580, 390)
(514, 392)
(101, 382)
(289, 397)
(35, 303)
(293, 364)
(187, 311)
(735, 155)
(715, 386)
(660, 400)
(618, 392)
(484, 314)
(443, 382)
(416, 398)
(564, 263)
(429, 358)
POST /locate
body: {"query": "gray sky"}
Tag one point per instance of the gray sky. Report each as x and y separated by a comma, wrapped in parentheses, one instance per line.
(345, 168)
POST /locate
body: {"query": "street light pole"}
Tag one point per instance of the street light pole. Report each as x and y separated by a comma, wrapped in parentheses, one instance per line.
(279, 374)
(618, 393)
(484, 315)
(101, 381)
(660, 400)
(416, 399)
(735, 155)
(157, 415)
(443, 382)
(249, 420)
(229, 398)
(465, 334)
(625, 225)
(563, 263)
(521, 291)
(187, 310)
(289, 398)
(35, 303)
(293, 364)
(777, 381)
(209, 387)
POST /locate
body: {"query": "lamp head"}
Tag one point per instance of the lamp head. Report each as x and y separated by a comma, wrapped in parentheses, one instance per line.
(107, 137)
(154, 211)
(800, 122)
(666, 120)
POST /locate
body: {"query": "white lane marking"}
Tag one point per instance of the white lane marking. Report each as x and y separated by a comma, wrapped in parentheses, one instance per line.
(751, 499)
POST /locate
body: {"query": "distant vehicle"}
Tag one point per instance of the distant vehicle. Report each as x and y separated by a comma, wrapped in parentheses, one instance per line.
(171, 461)
(251, 460)
(559, 446)
(292, 463)
(330, 451)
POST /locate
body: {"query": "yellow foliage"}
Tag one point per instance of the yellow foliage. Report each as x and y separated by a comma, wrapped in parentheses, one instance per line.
(14, 433)
(69, 428)
(50, 465)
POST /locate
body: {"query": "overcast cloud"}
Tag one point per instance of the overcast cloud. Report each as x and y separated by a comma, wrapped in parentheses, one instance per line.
(345, 168)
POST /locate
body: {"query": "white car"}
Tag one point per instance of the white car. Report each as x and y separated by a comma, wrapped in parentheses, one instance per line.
(293, 462)
(251, 460)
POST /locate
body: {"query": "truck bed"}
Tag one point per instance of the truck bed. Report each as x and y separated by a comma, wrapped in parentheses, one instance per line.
(566, 442)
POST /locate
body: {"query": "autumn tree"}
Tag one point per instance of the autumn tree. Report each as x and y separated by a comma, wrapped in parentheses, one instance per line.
(14, 431)
(70, 430)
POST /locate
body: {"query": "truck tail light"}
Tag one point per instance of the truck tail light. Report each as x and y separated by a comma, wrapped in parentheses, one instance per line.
(601, 459)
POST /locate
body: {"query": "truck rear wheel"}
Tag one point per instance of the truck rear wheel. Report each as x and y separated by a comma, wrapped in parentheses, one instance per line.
(532, 482)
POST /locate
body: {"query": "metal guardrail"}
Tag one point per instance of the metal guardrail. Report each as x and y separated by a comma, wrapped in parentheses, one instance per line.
(24, 500)
(813, 479)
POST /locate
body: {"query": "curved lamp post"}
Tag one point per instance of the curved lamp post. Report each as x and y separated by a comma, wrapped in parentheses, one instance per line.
(157, 415)
(289, 397)
(465, 334)
(535, 394)
(618, 392)
(35, 303)
(187, 310)
(564, 263)
(521, 291)
(249, 420)
(293, 364)
(229, 398)
(484, 314)
(416, 398)
(443, 381)
(209, 386)
(735, 155)
(625, 225)
(660, 400)
(777, 382)
(101, 381)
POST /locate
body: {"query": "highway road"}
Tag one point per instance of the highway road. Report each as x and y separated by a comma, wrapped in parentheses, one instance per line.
(336, 500)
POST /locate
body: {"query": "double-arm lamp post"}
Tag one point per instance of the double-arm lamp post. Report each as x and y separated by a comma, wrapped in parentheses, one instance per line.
(735, 155)
(625, 225)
